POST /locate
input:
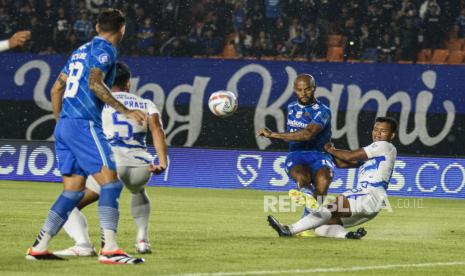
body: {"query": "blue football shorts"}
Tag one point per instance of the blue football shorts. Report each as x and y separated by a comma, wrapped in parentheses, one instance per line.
(315, 160)
(81, 147)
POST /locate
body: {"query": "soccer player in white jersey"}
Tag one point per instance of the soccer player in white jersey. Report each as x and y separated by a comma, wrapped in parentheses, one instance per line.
(134, 165)
(359, 205)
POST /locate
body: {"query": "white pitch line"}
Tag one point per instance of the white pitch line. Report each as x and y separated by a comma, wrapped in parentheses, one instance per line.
(321, 270)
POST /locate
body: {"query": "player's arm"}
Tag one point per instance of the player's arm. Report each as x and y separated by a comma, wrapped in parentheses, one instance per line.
(159, 142)
(57, 94)
(352, 157)
(18, 39)
(345, 164)
(301, 135)
(101, 90)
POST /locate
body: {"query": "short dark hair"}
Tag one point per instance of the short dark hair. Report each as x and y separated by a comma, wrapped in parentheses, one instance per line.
(123, 74)
(391, 121)
(111, 20)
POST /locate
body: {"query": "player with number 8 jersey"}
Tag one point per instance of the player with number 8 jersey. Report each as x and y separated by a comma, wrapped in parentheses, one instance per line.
(79, 102)
(78, 97)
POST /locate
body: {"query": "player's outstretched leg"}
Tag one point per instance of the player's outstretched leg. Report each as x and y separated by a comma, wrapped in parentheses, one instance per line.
(282, 230)
(57, 216)
(357, 234)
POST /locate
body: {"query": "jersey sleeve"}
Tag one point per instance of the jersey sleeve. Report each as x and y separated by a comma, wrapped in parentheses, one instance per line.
(102, 58)
(152, 108)
(322, 117)
(65, 69)
(380, 148)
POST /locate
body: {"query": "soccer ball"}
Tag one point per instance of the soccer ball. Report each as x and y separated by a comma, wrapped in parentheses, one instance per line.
(223, 103)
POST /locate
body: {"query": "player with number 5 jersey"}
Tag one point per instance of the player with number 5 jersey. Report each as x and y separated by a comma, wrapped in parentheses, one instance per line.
(78, 97)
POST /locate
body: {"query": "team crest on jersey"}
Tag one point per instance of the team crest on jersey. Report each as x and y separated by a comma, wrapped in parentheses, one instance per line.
(104, 58)
(298, 114)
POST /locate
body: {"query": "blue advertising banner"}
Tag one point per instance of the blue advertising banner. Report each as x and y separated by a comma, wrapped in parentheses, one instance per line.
(428, 100)
(239, 169)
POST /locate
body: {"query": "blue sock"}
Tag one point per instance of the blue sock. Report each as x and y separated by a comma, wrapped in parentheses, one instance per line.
(60, 210)
(108, 205)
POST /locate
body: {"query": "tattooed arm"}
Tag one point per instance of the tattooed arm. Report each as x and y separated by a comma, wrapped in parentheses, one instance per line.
(57, 94)
(102, 91)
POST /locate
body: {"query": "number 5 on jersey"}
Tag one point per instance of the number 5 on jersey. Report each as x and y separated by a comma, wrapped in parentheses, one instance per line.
(72, 82)
(125, 128)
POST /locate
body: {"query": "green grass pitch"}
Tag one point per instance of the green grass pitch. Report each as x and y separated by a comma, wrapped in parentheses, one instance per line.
(224, 232)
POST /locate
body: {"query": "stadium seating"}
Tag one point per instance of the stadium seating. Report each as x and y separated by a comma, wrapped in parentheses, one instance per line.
(455, 57)
(424, 56)
(439, 56)
(335, 54)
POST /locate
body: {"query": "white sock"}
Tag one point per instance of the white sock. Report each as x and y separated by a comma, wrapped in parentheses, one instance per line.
(76, 228)
(41, 243)
(331, 231)
(109, 240)
(311, 221)
(140, 208)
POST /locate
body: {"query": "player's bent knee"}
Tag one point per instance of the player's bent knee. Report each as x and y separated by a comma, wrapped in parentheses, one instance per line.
(301, 176)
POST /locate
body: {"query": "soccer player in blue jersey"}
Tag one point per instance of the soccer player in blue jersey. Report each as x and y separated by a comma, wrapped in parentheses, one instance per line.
(133, 161)
(78, 96)
(308, 130)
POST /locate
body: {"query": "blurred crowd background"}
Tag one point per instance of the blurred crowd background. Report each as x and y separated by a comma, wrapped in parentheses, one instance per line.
(404, 31)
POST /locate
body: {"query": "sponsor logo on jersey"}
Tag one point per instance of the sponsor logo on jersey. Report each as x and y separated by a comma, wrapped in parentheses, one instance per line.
(290, 112)
(306, 114)
(316, 106)
(295, 123)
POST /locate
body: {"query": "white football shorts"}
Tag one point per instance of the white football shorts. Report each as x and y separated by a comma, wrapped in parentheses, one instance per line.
(365, 204)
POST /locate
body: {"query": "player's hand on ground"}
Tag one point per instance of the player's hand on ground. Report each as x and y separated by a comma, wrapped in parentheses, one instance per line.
(264, 132)
(19, 38)
(137, 115)
(157, 169)
(328, 146)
